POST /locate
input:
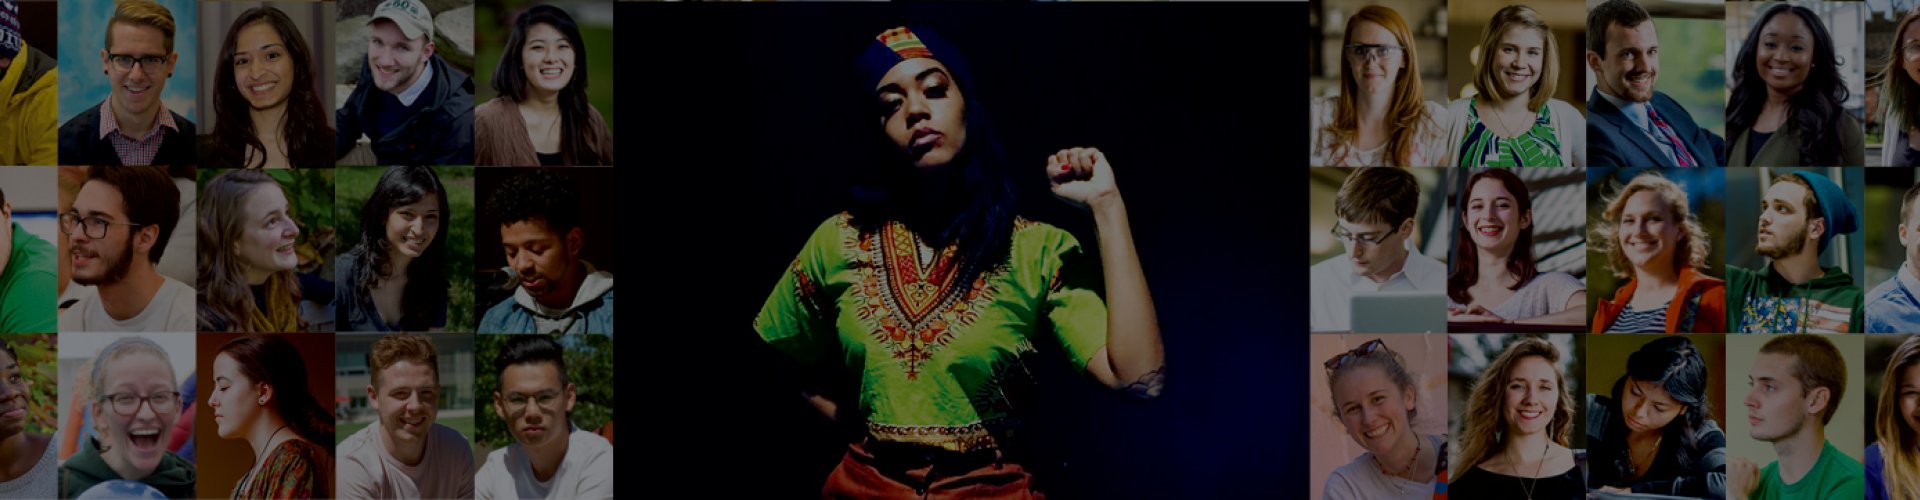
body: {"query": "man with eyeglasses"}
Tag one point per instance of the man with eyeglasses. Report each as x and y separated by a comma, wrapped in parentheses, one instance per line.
(549, 457)
(405, 454)
(117, 231)
(1630, 124)
(135, 401)
(132, 126)
(1375, 207)
(413, 107)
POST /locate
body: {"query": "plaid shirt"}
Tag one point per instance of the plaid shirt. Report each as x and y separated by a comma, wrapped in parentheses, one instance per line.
(134, 151)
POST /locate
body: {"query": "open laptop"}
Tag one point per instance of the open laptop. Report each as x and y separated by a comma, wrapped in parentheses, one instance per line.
(1399, 312)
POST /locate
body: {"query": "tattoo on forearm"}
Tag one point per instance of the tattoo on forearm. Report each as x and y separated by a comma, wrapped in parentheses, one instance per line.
(1148, 385)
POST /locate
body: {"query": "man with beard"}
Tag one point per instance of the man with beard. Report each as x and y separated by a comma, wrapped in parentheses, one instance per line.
(549, 457)
(118, 229)
(405, 454)
(416, 109)
(1795, 388)
(1802, 211)
(539, 215)
(1629, 123)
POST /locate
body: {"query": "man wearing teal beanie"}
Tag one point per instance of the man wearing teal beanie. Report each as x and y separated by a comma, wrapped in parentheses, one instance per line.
(1800, 214)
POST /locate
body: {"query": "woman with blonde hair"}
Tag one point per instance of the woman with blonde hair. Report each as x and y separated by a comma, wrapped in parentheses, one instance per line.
(1380, 117)
(1376, 399)
(1893, 462)
(1514, 121)
(1513, 437)
(1651, 238)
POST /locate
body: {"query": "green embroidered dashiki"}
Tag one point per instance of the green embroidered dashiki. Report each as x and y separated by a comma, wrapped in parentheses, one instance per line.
(1538, 147)
(939, 364)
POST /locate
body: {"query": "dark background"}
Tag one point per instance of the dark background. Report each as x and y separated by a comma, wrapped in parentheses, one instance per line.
(751, 127)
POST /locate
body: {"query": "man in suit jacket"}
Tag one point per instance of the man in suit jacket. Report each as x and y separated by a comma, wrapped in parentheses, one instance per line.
(1628, 123)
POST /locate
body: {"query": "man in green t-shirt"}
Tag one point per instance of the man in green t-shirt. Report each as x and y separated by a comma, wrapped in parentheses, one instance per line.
(1801, 213)
(27, 283)
(1794, 380)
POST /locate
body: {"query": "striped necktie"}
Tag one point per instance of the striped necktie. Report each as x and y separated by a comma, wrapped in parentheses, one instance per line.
(1668, 141)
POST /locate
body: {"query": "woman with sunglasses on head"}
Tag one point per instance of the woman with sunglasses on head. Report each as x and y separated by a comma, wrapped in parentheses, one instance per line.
(1655, 434)
(1380, 117)
(1376, 399)
(1513, 435)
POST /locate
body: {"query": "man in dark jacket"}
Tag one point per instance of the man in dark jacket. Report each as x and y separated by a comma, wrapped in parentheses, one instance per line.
(418, 110)
(133, 126)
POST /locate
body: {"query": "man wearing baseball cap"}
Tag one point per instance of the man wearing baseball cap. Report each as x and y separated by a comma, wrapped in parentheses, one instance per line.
(1800, 214)
(418, 110)
(27, 96)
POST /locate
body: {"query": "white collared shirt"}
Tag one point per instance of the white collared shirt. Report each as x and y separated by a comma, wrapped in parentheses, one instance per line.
(1334, 285)
(419, 86)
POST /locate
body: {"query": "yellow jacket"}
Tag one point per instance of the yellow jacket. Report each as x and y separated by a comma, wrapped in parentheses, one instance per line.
(28, 103)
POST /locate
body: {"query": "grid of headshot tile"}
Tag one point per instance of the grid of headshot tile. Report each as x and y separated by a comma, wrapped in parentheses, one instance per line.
(1604, 332)
(300, 249)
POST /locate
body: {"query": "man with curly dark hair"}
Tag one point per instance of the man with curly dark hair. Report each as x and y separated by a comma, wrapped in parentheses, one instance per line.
(539, 216)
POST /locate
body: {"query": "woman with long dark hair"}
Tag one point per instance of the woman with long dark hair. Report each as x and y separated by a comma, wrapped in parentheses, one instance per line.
(1785, 107)
(395, 277)
(1493, 276)
(260, 394)
(542, 117)
(1656, 433)
(266, 98)
(247, 240)
(934, 276)
(1375, 397)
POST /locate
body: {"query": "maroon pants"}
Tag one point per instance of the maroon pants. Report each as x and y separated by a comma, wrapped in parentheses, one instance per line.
(881, 470)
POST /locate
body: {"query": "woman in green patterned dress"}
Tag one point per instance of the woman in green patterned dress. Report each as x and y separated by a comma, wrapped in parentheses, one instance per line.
(1514, 121)
(926, 301)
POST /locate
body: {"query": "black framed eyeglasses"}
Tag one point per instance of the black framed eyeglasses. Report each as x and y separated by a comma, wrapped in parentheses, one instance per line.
(1356, 353)
(126, 403)
(150, 64)
(1350, 238)
(96, 225)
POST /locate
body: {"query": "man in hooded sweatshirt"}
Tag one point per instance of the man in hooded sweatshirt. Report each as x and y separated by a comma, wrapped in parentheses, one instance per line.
(1800, 215)
(538, 212)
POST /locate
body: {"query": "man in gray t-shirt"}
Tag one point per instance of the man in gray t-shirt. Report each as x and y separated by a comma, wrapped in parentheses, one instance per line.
(405, 454)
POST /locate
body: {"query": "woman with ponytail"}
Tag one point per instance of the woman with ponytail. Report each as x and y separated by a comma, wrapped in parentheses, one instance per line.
(272, 409)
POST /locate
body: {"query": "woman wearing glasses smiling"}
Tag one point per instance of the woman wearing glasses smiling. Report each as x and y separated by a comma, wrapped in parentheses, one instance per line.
(1379, 118)
(1374, 396)
(1900, 93)
(135, 404)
